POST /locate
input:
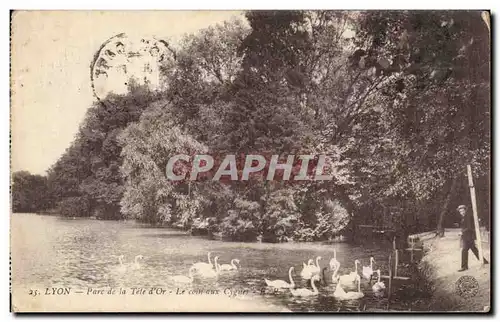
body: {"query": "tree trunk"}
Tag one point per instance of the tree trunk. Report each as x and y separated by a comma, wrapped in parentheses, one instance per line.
(347, 203)
(440, 228)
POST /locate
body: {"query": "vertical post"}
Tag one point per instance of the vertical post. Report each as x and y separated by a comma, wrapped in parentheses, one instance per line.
(474, 212)
(390, 282)
(396, 262)
(395, 251)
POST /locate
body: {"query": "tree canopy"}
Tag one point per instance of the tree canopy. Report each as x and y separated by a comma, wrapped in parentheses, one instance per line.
(399, 101)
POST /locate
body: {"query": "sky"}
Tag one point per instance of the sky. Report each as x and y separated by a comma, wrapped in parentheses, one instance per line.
(51, 52)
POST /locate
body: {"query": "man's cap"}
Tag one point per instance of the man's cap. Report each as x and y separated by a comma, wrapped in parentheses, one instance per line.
(462, 207)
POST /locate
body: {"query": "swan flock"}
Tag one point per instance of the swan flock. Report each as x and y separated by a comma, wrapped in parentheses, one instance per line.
(311, 272)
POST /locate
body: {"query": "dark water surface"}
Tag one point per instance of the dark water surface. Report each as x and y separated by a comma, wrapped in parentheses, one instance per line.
(53, 251)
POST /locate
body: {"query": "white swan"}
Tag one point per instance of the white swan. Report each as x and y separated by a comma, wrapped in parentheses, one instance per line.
(305, 291)
(136, 264)
(310, 270)
(343, 295)
(121, 268)
(335, 276)
(379, 287)
(203, 265)
(184, 279)
(350, 279)
(334, 262)
(368, 270)
(316, 269)
(306, 270)
(282, 283)
(227, 267)
(210, 273)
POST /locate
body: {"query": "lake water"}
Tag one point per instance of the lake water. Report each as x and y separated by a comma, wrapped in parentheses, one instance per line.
(49, 251)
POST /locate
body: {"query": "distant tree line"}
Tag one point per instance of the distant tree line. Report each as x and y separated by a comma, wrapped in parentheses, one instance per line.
(29, 192)
(398, 100)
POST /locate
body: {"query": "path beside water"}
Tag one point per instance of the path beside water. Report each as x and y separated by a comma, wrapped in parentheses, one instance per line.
(441, 264)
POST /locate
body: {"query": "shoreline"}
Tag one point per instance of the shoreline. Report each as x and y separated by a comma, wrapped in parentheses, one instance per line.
(215, 236)
(440, 266)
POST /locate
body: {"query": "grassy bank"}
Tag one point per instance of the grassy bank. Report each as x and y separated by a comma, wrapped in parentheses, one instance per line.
(440, 267)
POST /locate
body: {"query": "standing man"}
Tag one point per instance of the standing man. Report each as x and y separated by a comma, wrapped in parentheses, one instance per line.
(468, 237)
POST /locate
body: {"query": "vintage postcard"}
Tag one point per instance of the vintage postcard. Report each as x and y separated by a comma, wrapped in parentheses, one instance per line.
(250, 161)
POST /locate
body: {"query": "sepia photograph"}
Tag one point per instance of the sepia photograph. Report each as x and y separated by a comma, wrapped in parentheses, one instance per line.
(284, 161)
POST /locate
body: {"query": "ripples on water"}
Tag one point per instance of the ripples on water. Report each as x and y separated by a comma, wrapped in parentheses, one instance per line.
(81, 253)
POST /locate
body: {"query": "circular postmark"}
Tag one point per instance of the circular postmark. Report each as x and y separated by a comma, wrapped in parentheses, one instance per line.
(467, 286)
(123, 58)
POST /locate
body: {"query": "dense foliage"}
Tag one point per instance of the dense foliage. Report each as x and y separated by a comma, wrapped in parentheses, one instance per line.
(86, 180)
(398, 101)
(29, 192)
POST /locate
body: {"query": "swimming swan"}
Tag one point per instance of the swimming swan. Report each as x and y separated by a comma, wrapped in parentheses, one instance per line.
(306, 270)
(305, 291)
(184, 279)
(203, 265)
(368, 270)
(282, 283)
(311, 269)
(210, 273)
(227, 267)
(349, 280)
(379, 287)
(343, 295)
(136, 264)
(334, 262)
(316, 269)
(121, 268)
(335, 276)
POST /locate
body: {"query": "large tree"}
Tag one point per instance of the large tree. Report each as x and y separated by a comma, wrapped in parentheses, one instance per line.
(89, 171)
(440, 115)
